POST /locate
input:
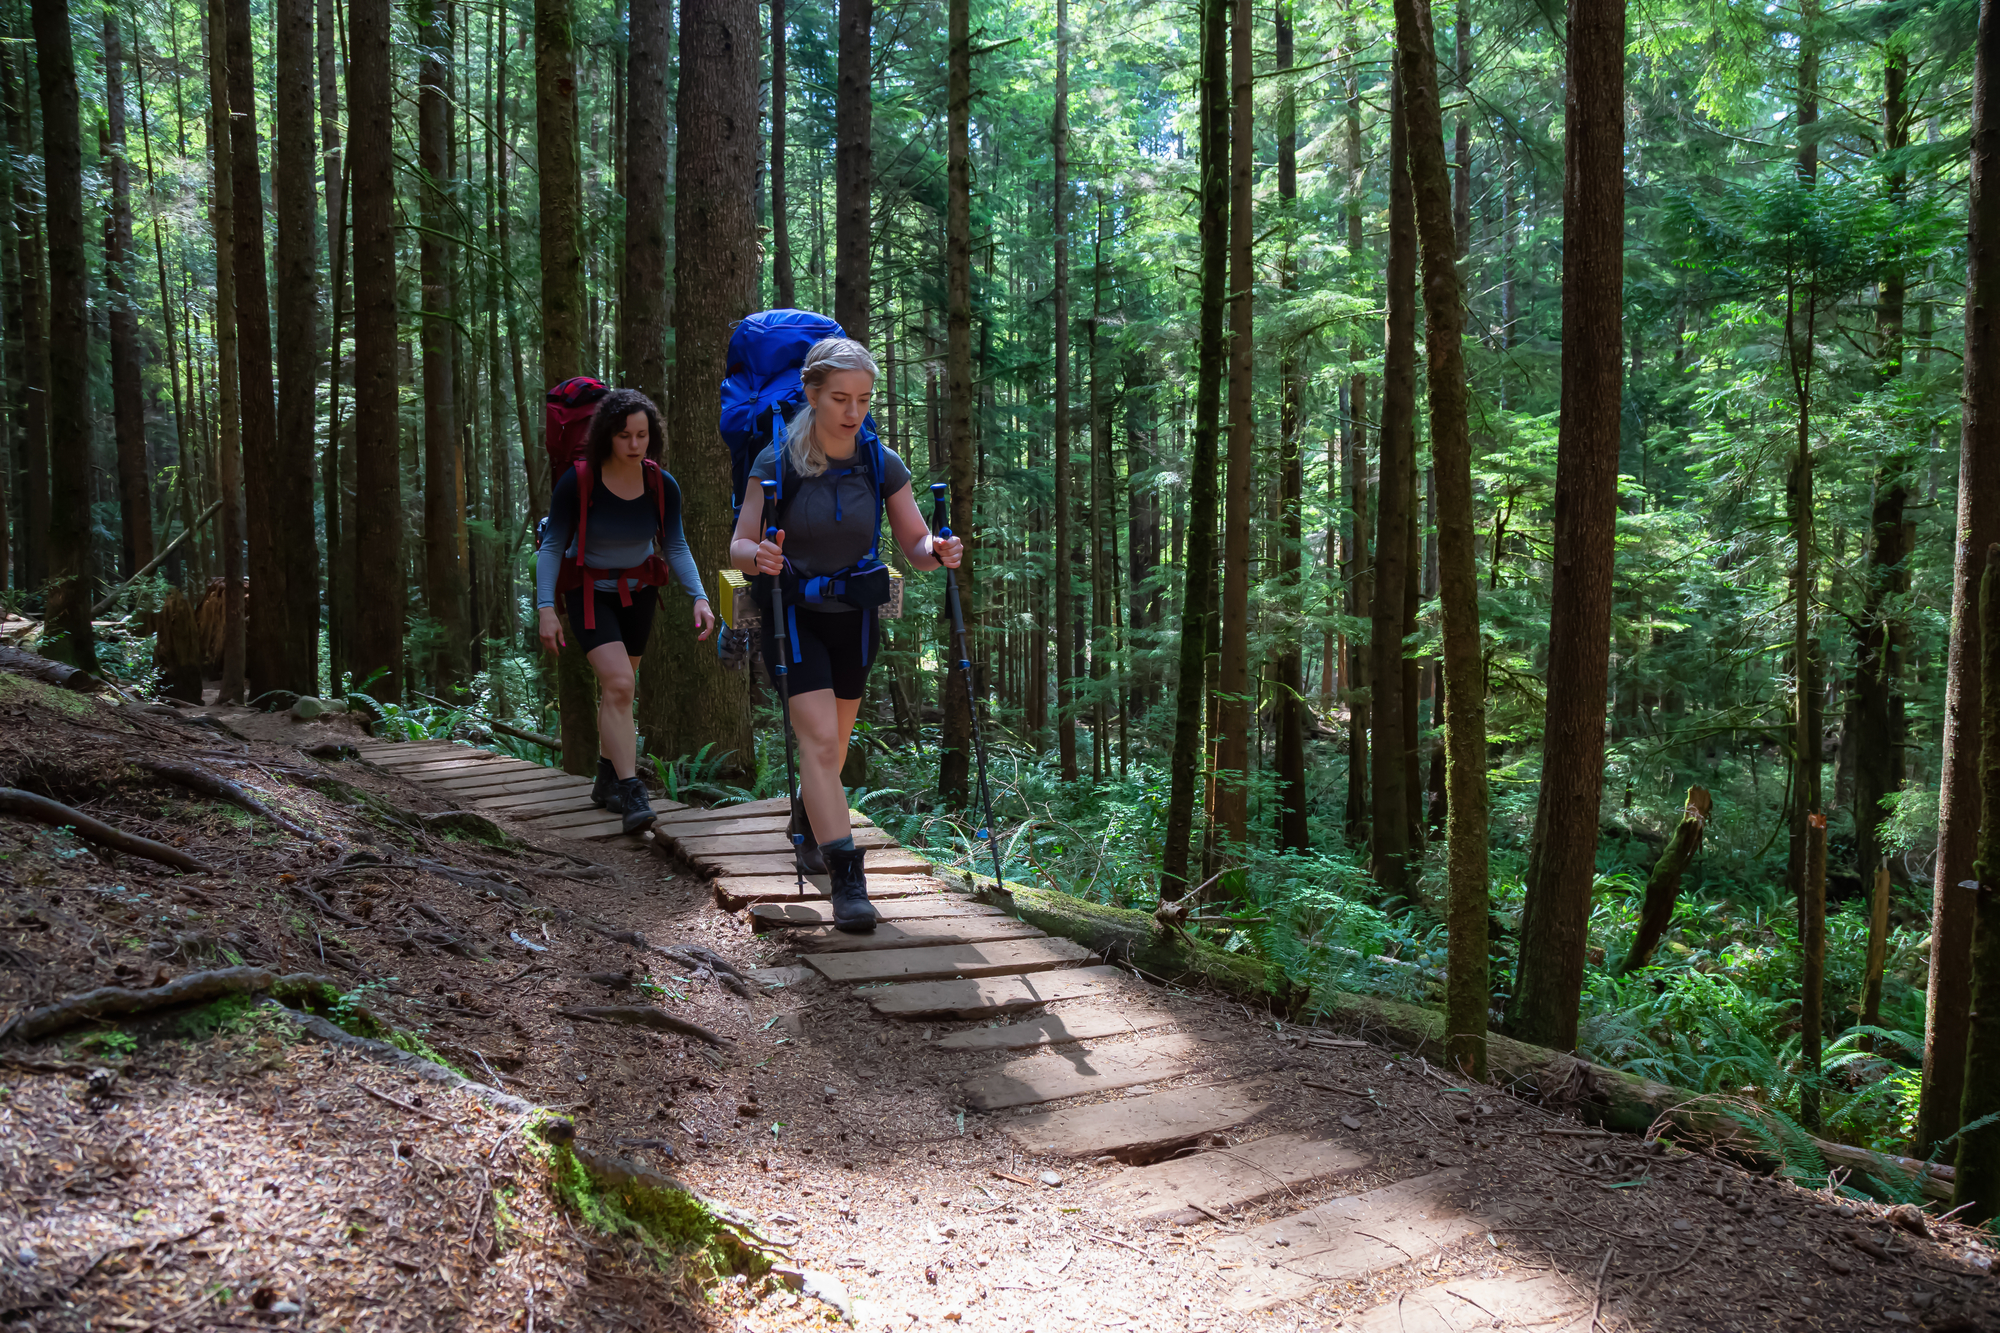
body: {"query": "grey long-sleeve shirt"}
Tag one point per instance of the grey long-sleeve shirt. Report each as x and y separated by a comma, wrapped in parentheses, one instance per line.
(623, 534)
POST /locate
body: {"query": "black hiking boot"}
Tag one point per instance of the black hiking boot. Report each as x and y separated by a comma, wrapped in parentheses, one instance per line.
(629, 800)
(852, 912)
(607, 782)
(806, 853)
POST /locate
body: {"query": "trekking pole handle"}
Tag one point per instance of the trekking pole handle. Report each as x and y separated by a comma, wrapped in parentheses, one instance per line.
(770, 510)
(939, 526)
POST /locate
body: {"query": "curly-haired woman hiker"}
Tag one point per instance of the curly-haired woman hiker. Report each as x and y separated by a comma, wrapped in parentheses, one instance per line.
(611, 520)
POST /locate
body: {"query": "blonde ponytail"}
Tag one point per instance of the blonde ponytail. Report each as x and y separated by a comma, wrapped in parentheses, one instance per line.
(826, 356)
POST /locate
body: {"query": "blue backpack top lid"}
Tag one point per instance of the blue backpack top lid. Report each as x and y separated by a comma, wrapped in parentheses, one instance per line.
(762, 385)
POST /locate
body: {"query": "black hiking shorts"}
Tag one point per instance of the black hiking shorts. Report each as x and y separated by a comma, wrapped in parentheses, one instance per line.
(632, 625)
(831, 653)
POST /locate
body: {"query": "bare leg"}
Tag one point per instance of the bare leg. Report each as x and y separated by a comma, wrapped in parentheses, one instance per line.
(823, 725)
(616, 675)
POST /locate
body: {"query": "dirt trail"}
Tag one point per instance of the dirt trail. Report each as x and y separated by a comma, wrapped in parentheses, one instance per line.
(961, 1123)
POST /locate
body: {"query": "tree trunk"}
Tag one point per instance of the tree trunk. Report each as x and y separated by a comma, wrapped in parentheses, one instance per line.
(955, 763)
(33, 409)
(70, 593)
(1656, 912)
(781, 230)
(1878, 956)
(1390, 842)
(378, 486)
(228, 443)
(1063, 573)
(270, 468)
(643, 312)
(1467, 993)
(1232, 685)
(1948, 1014)
(339, 572)
(292, 176)
(128, 420)
(1977, 1187)
(1358, 572)
(1562, 862)
(1461, 202)
(1293, 834)
(1198, 588)
(715, 280)
(854, 168)
(444, 465)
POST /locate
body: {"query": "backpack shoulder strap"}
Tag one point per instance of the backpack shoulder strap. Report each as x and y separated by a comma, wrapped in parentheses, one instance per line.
(581, 470)
(879, 468)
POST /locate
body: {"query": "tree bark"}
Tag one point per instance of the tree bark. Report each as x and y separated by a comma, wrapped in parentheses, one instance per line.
(1977, 1187)
(1293, 834)
(1563, 858)
(444, 464)
(643, 313)
(33, 418)
(785, 294)
(955, 761)
(1358, 572)
(69, 595)
(293, 169)
(715, 279)
(1949, 1010)
(1232, 685)
(1063, 573)
(378, 491)
(854, 168)
(272, 468)
(1656, 912)
(1461, 202)
(128, 420)
(339, 571)
(1467, 994)
(1390, 841)
(1198, 587)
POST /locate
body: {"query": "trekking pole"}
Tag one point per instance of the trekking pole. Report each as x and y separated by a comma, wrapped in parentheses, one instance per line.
(939, 527)
(779, 669)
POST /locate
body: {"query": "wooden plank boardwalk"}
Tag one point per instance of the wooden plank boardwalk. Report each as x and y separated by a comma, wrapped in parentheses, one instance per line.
(1078, 1047)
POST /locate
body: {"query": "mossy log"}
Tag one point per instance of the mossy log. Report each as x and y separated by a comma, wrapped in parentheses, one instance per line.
(194, 988)
(1136, 939)
(1610, 1097)
(1664, 885)
(47, 670)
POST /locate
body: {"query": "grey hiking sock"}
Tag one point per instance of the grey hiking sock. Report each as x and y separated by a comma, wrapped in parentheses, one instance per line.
(839, 844)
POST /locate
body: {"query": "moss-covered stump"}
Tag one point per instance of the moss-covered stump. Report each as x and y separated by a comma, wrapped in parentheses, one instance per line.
(1627, 1103)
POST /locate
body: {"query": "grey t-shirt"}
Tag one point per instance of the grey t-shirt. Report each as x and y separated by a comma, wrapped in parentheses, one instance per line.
(829, 521)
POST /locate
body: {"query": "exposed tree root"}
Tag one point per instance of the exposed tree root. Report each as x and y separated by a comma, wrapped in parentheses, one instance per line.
(222, 789)
(194, 988)
(643, 1016)
(14, 801)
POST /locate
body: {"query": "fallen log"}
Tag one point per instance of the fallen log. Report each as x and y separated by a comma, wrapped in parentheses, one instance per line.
(1613, 1098)
(14, 801)
(643, 1016)
(1657, 911)
(194, 988)
(532, 737)
(222, 789)
(47, 670)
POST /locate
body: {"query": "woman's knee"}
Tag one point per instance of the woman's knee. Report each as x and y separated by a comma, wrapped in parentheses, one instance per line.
(615, 690)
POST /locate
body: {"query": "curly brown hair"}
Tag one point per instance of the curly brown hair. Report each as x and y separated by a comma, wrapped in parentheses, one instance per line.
(609, 419)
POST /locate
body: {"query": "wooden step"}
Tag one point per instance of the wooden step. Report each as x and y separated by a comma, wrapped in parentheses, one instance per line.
(1139, 1129)
(958, 960)
(437, 769)
(1079, 1071)
(407, 756)
(893, 861)
(704, 850)
(1532, 1300)
(933, 933)
(1222, 1182)
(781, 915)
(988, 996)
(530, 804)
(584, 813)
(514, 784)
(733, 894)
(1076, 1024)
(728, 828)
(1345, 1240)
(612, 827)
(696, 814)
(408, 749)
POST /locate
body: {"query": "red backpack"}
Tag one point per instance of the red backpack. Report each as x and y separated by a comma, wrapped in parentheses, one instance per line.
(654, 572)
(566, 421)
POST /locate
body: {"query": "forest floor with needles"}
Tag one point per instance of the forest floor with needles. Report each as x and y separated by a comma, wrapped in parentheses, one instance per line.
(229, 1164)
